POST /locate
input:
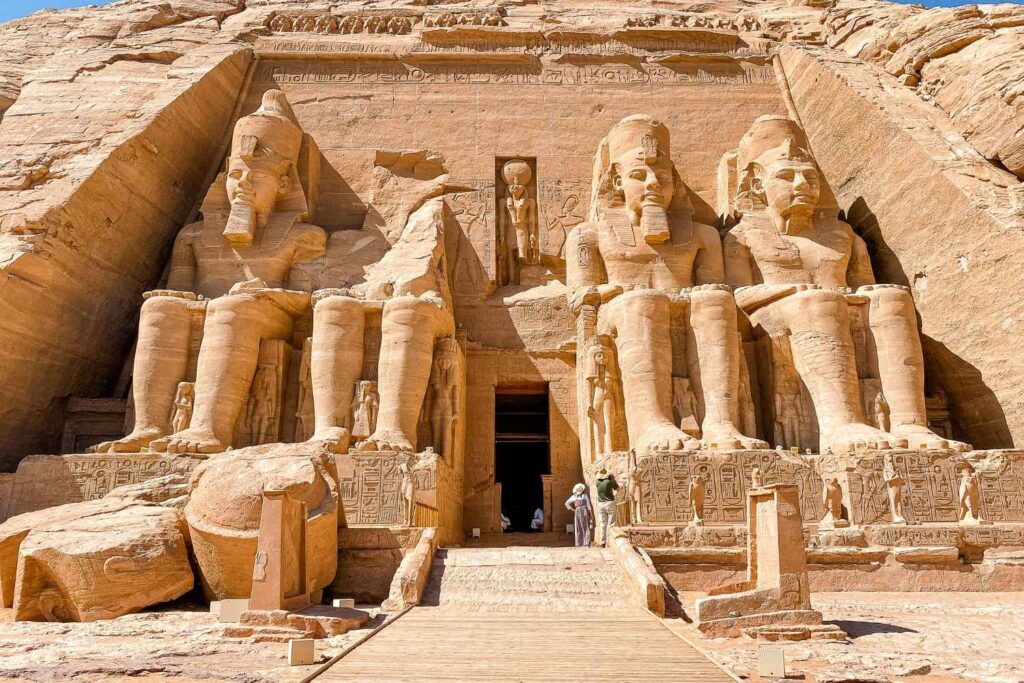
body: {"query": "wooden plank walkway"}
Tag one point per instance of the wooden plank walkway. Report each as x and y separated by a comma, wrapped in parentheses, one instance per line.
(447, 644)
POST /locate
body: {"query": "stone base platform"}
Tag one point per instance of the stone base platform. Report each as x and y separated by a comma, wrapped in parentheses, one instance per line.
(782, 625)
(280, 626)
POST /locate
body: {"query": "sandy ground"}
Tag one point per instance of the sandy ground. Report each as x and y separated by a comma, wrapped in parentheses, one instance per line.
(914, 637)
(183, 643)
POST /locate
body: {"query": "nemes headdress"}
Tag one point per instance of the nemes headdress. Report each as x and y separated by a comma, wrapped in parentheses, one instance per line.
(270, 132)
(640, 137)
(773, 138)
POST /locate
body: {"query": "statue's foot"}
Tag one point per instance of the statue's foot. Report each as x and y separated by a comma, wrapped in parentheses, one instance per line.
(858, 437)
(335, 438)
(665, 437)
(923, 438)
(386, 440)
(133, 443)
(727, 437)
(189, 441)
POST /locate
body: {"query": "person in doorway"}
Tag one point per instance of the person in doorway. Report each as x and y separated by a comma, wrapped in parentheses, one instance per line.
(506, 523)
(579, 504)
(606, 488)
(537, 524)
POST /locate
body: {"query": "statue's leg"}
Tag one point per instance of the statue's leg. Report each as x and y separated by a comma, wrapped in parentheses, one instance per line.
(893, 325)
(641, 320)
(823, 354)
(714, 325)
(235, 325)
(409, 329)
(161, 362)
(336, 364)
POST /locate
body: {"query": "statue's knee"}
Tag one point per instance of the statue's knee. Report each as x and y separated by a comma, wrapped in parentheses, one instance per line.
(818, 302)
(337, 305)
(643, 301)
(891, 301)
(164, 306)
(713, 304)
(427, 314)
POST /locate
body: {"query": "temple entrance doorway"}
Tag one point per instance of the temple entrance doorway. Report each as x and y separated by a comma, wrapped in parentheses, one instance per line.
(521, 451)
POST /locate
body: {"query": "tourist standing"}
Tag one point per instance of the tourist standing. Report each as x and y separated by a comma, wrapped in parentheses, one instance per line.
(606, 488)
(579, 503)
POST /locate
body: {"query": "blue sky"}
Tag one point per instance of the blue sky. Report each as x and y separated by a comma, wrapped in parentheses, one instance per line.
(12, 9)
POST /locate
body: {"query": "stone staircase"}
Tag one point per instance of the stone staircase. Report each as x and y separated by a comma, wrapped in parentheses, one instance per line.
(526, 579)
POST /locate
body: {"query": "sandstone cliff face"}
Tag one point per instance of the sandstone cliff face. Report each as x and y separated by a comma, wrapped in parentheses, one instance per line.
(113, 120)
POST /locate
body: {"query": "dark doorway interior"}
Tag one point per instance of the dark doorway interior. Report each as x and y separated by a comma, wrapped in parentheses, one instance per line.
(521, 452)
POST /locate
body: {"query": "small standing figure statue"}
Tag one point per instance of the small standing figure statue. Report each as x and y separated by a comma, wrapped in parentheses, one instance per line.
(894, 483)
(833, 500)
(408, 491)
(364, 420)
(602, 378)
(444, 409)
(264, 394)
(304, 402)
(698, 494)
(970, 496)
(183, 402)
(521, 209)
(881, 412)
(635, 488)
(756, 480)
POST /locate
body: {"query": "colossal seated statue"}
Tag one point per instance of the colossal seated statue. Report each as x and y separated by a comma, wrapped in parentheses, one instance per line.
(797, 268)
(409, 285)
(639, 257)
(239, 273)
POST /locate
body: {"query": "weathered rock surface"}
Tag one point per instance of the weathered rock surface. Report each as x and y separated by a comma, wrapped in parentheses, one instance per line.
(223, 514)
(98, 559)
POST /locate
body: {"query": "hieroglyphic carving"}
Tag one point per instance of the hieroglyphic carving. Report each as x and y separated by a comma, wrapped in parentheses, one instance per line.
(469, 71)
(665, 480)
(474, 270)
(693, 20)
(373, 485)
(561, 205)
(45, 481)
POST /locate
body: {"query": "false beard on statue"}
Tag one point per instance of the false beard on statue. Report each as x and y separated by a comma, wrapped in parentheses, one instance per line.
(241, 225)
(654, 224)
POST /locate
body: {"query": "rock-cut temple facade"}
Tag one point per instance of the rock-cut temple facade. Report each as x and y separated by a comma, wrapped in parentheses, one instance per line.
(293, 292)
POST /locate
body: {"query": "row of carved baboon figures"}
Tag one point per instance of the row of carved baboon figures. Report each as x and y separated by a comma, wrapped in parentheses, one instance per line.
(694, 21)
(378, 23)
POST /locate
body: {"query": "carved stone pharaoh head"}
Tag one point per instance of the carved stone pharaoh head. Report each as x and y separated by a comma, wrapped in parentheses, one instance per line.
(634, 173)
(777, 172)
(262, 166)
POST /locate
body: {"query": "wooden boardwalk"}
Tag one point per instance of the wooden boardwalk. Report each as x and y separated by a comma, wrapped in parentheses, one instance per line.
(448, 644)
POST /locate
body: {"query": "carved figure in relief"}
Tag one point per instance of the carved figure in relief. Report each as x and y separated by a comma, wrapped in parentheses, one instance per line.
(788, 406)
(520, 235)
(444, 400)
(408, 491)
(602, 390)
(635, 489)
(640, 246)
(970, 495)
(262, 403)
(244, 264)
(793, 264)
(833, 503)
(364, 418)
(698, 494)
(894, 487)
(183, 403)
(881, 412)
(304, 402)
(756, 480)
